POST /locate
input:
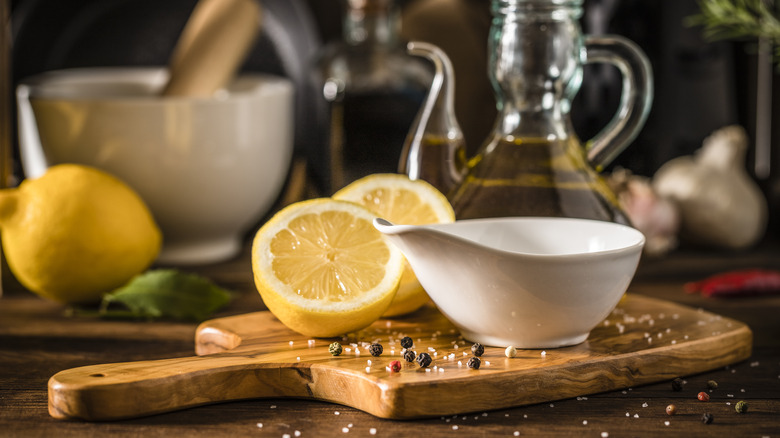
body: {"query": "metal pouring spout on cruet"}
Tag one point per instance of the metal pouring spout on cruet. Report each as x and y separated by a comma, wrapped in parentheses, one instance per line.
(532, 164)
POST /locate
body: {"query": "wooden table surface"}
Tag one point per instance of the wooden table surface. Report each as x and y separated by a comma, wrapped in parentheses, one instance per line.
(37, 340)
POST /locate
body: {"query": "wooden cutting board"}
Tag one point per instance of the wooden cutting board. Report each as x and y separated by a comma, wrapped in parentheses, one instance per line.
(254, 356)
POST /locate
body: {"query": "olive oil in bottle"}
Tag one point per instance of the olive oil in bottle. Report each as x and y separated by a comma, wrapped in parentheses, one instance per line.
(534, 177)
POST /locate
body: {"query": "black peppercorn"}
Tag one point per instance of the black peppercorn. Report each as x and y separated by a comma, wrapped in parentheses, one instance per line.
(375, 349)
(407, 342)
(741, 406)
(477, 349)
(335, 349)
(677, 384)
(474, 363)
(711, 384)
(409, 355)
(707, 418)
(424, 359)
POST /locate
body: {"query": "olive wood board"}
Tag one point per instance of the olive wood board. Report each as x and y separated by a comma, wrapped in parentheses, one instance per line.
(644, 340)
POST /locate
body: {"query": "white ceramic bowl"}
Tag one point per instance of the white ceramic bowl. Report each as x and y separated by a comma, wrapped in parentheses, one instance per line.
(526, 282)
(208, 168)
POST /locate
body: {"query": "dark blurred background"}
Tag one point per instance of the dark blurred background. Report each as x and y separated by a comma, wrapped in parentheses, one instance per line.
(699, 86)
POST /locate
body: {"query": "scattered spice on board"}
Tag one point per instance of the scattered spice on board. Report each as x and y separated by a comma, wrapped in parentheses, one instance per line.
(711, 384)
(409, 355)
(741, 407)
(677, 384)
(510, 351)
(671, 410)
(474, 363)
(703, 396)
(424, 360)
(335, 349)
(375, 349)
(395, 366)
(478, 349)
(707, 418)
(407, 342)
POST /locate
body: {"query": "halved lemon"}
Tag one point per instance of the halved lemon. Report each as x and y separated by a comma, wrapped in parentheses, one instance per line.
(323, 269)
(401, 200)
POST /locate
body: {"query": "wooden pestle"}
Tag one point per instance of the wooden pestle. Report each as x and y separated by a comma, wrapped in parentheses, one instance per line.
(212, 46)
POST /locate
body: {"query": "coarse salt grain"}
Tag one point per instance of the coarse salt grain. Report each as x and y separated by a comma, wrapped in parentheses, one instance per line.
(336, 413)
(604, 434)
(584, 422)
(368, 369)
(544, 353)
(372, 431)
(297, 433)
(666, 423)
(311, 342)
(644, 405)
(345, 429)
(636, 415)
(455, 427)
(260, 425)
(273, 406)
(286, 435)
(291, 343)
(517, 433)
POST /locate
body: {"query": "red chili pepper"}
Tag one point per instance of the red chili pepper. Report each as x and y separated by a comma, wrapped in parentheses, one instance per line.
(738, 283)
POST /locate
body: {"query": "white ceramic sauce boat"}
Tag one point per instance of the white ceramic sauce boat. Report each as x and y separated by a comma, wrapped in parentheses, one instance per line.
(529, 282)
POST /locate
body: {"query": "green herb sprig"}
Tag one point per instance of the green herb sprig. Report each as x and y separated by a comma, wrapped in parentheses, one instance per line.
(739, 20)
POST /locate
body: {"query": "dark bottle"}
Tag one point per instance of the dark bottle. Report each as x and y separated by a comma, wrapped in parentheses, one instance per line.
(373, 90)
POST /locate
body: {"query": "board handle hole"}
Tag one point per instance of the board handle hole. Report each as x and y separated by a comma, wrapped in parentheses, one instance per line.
(97, 375)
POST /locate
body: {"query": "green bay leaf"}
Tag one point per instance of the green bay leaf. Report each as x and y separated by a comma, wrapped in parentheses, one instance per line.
(165, 294)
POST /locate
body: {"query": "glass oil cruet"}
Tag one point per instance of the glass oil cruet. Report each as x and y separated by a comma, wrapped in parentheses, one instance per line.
(435, 150)
(533, 164)
(372, 88)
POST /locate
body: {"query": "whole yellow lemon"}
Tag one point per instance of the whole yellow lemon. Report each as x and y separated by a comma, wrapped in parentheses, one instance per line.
(75, 233)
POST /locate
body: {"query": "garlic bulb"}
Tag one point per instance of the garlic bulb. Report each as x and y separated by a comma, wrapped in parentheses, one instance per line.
(719, 204)
(655, 216)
